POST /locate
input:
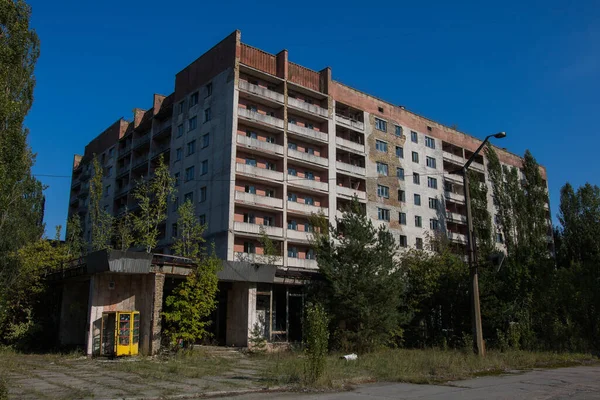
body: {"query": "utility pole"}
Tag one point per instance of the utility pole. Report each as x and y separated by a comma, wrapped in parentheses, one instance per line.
(478, 343)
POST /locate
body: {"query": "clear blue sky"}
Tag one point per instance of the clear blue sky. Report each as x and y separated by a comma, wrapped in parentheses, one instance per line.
(529, 68)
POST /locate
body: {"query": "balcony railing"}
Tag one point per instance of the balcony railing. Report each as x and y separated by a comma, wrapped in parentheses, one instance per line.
(353, 169)
(260, 91)
(350, 122)
(310, 158)
(302, 263)
(141, 141)
(260, 145)
(306, 208)
(350, 193)
(299, 235)
(350, 145)
(257, 258)
(312, 108)
(307, 183)
(261, 118)
(254, 199)
(139, 162)
(459, 198)
(309, 133)
(160, 150)
(457, 237)
(461, 161)
(456, 217)
(257, 229)
(256, 172)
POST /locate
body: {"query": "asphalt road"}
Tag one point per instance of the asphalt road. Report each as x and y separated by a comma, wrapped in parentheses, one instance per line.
(562, 383)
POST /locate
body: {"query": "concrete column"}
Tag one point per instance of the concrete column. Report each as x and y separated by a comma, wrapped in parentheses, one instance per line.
(158, 289)
(94, 315)
(241, 313)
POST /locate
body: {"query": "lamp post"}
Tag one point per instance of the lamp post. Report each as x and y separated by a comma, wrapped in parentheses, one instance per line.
(478, 345)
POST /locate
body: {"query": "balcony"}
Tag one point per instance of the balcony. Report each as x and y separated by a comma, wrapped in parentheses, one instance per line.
(349, 193)
(349, 145)
(260, 91)
(308, 133)
(311, 108)
(139, 142)
(453, 158)
(124, 170)
(257, 258)
(143, 161)
(299, 236)
(307, 183)
(306, 208)
(260, 118)
(353, 169)
(455, 217)
(307, 157)
(122, 190)
(349, 122)
(160, 150)
(457, 237)
(455, 197)
(454, 178)
(256, 200)
(256, 229)
(261, 173)
(260, 145)
(302, 263)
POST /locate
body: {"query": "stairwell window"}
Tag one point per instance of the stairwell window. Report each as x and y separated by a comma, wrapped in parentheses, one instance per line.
(418, 221)
(403, 241)
(203, 192)
(204, 167)
(401, 196)
(207, 115)
(205, 140)
(430, 142)
(416, 178)
(433, 203)
(383, 214)
(417, 198)
(399, 152)
(383, 191)
(432, 182)
(402, 218)
(414, 137)
(191, 147)
(415, 157)
(192, 123)
(380, 125)
(400, 173)
(434, 224)
(398, 130)
(382, 168)
(381, 146)
(430, 161)
(189, 173)
(193, 99)
(209, 88)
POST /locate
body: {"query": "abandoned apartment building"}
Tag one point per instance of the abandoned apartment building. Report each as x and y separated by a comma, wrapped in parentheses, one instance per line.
(258, 142)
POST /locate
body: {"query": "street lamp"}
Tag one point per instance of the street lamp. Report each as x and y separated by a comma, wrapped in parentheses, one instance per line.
(478, 345)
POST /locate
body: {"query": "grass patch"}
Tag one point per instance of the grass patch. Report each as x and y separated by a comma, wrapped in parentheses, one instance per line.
(414, 366)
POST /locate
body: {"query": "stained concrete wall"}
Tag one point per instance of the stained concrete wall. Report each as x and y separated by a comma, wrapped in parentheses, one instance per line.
(241, 313)
(73, 313)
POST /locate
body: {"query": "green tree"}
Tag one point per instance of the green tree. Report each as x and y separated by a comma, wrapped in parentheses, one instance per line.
(362, 284)
(153, 197)
(124, 231)
(101, 220)
(316, 341)
(190, 233)
(21, 195)
(74, 237)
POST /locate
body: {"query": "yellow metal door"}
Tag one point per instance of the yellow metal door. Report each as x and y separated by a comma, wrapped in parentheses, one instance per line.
(123, 333)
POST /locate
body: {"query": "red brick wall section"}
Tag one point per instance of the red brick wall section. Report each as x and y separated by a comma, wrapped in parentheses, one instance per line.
(282, 64)
(157, 103)
(304, 76)
(207, 66)
(258, 59)
(138, 115)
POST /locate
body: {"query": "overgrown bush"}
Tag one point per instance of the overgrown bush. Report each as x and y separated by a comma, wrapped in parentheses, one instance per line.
(316, 339)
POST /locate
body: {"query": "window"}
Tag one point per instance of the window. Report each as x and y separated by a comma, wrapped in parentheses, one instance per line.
(189, 173)
(434, 224)
(293, 225)
(107, 191)
(499, 238)
(202, 219)
(380, 125)
(430, 161)
(418, 221)
(108, 172)
(400, 173)
(417, 198)
(249, 218)
(309, 201)
(270, 166)
(251, 162)
(188, 197)
(174, 230)
(399, 152)
(309, 150)
(291, 120)
(270, 139)
(208, 89)
(419, 244)
(432, 182)
(292, 146)
(191, 147)
(204, 167)
(207, 115)
(398, 130)
(192, 123)
(403, 241)
(309, 125)
(178, 154)
(382, 169)
(180, 107)
(179, 130)
(251, 134)
(380, 109)
(433, 203)
(269, 193)
(193, 99)
(249, 247)
(416, 178)
(383, 214)
(176, 175)
(415, 157)
(111, 152)
(430, 142)
(309, 175)
(203, 194)
(267, 220)
(175, 204)
(252, 107)
(402, 218)
(292, 197)
(401, 195)
(414, 137)
(383, 191)
(310, 254)
(250, 189)
(293, 252)
(205, 140)
(292, 171)
(381, 146)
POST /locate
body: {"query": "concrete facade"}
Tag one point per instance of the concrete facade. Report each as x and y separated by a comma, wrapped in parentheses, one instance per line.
(275, 142)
